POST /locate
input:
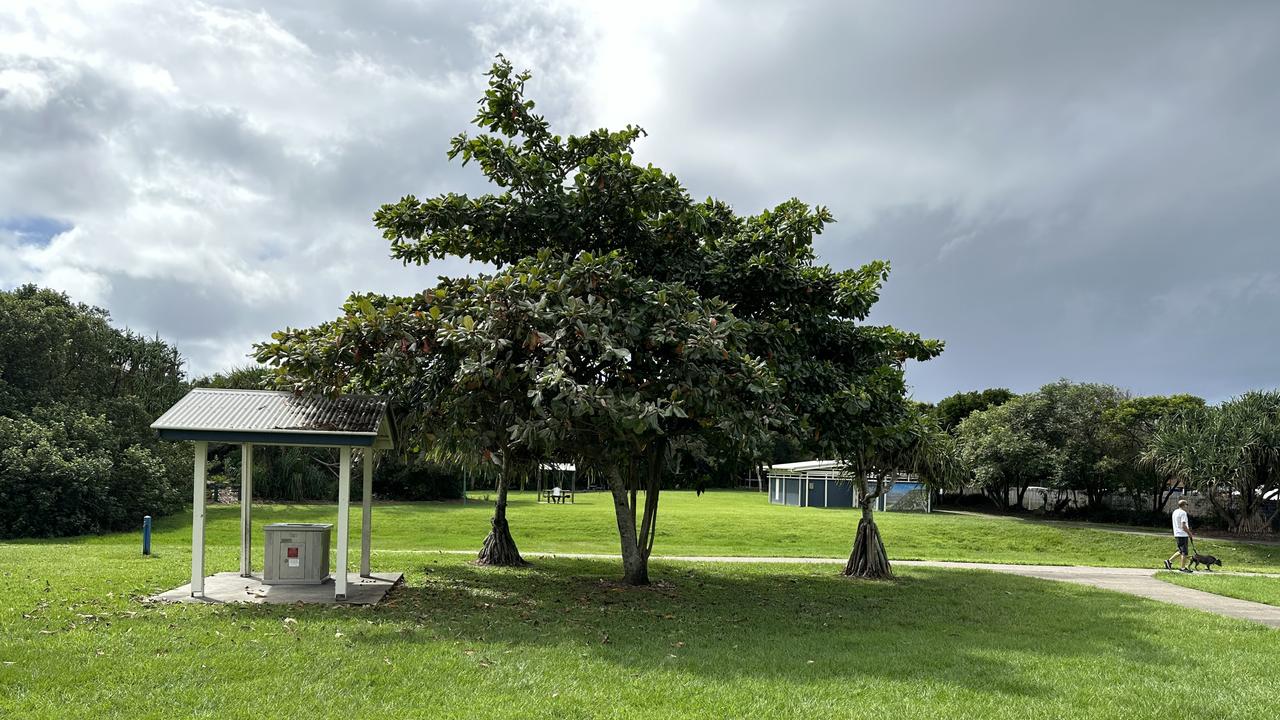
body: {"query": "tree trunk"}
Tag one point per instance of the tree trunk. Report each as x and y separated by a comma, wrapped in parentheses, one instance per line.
(1250, 520)
(999, 495)
(635, 564)
(1163, 491)
(499, 547)
(868, 559)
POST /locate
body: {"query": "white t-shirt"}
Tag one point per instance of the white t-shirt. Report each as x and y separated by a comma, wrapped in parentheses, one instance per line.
(1179, 519)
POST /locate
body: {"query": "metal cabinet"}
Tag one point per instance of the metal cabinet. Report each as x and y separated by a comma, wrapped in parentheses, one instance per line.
(296, 554)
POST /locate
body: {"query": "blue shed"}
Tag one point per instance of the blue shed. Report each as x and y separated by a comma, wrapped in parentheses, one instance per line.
(821, 483)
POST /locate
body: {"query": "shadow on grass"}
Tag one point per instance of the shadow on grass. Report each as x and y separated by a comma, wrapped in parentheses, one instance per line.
(980, 631)
(995, 635)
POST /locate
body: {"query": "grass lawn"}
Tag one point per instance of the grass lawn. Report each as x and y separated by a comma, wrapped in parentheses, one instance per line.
(1258, 589)
(560, 640)
(718, 523)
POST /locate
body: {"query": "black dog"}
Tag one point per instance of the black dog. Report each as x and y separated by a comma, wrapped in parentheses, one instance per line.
(1208, 561)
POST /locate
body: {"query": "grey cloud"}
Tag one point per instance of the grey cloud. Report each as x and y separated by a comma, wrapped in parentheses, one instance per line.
(1072, 189)
(1047, 179)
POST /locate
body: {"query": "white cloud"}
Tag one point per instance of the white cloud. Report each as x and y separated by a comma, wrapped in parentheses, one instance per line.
(220, 165)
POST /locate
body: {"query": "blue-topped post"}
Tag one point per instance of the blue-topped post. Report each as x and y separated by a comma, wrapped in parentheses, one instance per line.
(146, 535)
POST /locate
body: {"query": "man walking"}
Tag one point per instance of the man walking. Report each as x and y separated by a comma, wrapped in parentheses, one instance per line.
(1181, 533)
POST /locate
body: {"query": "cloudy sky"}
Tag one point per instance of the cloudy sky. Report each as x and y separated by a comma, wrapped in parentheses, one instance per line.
(1083, 190)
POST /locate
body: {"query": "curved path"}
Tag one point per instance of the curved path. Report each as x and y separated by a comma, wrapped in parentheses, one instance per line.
(1134, 581)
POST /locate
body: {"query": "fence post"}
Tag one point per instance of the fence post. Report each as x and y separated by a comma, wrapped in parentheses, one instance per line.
(146, 535)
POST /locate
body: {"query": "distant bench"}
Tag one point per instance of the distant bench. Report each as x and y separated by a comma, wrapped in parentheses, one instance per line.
(550, 497)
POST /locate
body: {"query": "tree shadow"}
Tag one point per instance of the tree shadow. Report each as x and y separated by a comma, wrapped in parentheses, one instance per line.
(968, 629)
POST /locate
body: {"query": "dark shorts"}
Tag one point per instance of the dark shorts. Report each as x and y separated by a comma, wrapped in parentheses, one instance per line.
(1182, 544)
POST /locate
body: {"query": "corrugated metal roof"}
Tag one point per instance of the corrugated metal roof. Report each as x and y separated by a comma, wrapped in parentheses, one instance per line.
(807, 465)
(211, 410)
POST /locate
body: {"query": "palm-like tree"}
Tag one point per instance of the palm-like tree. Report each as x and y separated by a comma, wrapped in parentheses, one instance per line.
(1230, 452)
(917, 445)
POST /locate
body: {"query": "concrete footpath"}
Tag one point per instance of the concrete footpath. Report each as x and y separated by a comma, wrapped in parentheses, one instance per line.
(1134, 581)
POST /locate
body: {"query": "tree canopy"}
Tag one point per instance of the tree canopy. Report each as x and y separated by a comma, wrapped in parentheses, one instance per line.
(952, 409)
(720, 327)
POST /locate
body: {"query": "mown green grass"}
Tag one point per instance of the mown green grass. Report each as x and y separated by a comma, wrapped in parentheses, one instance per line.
(561, 640)
(1258, 589)
(717, 523)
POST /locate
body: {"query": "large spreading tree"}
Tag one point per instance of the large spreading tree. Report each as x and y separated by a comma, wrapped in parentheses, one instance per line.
(794, 347)
(1133, 425)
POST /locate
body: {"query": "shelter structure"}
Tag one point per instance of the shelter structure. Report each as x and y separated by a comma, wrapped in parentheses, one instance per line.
(823, 483)
(350, 423)
(552, 475)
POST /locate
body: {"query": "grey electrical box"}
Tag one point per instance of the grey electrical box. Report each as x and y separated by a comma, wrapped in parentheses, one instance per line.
(296, 554)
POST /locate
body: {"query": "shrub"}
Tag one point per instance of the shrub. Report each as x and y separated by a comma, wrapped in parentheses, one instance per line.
(63, 472)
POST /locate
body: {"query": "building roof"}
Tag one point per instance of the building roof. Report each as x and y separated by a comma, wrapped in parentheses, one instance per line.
(559, 467)
(808, 465)
(275, 417)
(824, 467)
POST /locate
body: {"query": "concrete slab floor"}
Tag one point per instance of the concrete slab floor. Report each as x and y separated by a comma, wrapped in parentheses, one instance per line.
(229, 587)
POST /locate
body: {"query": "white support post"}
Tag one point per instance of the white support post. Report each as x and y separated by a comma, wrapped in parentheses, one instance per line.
(344, 522)
(246, 510)
(197, 519)
(366, 512)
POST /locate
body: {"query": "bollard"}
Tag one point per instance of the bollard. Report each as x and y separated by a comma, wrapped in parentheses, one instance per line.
(146, 535)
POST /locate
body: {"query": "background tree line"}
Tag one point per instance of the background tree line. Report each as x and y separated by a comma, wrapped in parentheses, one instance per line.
(1090, 444)
(77, 453)
(77, 397)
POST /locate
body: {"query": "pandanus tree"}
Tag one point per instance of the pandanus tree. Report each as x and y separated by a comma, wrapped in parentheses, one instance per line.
(1230, 452)
(915, 444)
(779, 314)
